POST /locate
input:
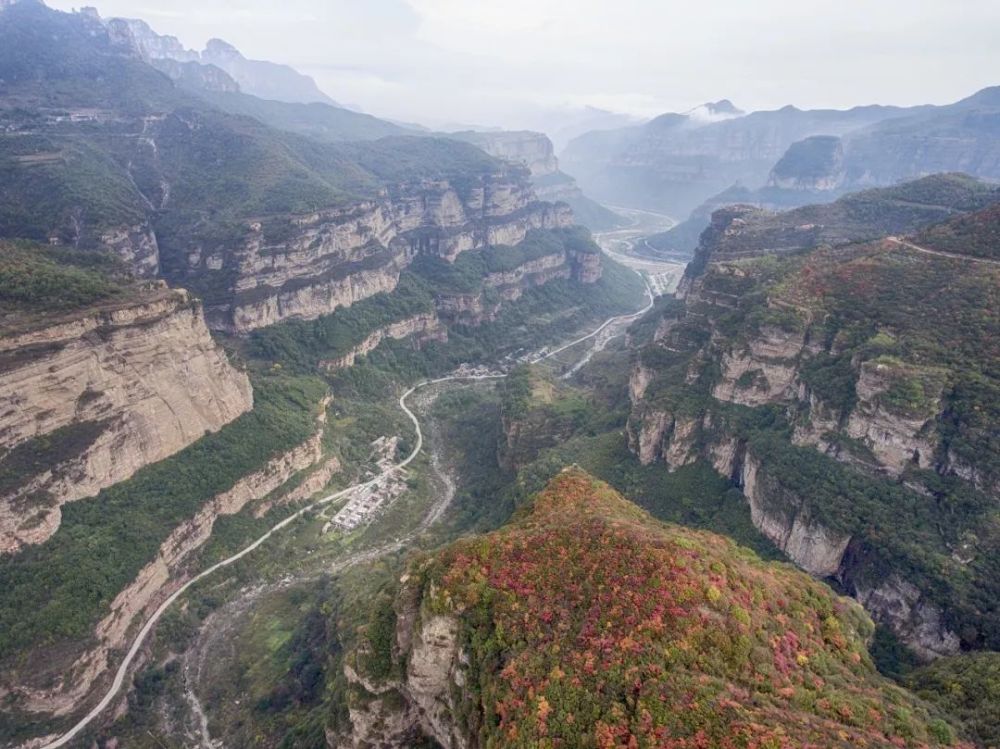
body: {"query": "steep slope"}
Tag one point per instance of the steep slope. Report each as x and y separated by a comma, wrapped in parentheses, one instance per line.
(871, 213)
(682, 240)
(587, 623)
(848, 392)
(314, 120)
(743, 231)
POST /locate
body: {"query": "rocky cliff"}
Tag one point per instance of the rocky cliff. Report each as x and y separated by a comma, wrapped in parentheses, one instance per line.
(744, 230)
(330, 259)
(530, 149)
(518, 638)
(799, 379)
(102, 393)
(554, 258)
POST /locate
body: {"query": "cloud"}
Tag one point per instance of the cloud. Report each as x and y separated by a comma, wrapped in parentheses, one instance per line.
(501, 63)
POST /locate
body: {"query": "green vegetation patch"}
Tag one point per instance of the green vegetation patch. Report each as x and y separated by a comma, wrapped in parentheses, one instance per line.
(968, 688)
(35, 278)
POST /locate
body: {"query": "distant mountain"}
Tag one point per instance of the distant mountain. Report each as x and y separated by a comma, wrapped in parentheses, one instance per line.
(318, 121)
(811, 172)
(563, 125)
(716, 111)
(537, 153)
(676, 161)
(964, 136)
(267, 80)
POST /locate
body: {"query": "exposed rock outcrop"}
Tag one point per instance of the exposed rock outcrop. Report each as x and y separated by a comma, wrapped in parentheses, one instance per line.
(137, 246)
(316, 263)
(533, 150)
(536, 152)
(765, 372)
(897, 438)
(146, 376)
(785, 519)
(902, 607)
(475, 308)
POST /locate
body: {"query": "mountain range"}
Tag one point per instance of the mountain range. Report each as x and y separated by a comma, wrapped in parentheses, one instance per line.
(674, 163)
(319, 430)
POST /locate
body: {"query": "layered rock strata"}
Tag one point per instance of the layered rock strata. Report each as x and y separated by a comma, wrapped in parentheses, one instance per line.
(122, 386)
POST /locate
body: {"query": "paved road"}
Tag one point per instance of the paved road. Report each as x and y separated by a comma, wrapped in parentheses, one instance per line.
(369, 554)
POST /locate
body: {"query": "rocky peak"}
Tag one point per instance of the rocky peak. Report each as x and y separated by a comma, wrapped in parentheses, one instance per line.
(219, 49)
(715, 112)
(152, 45)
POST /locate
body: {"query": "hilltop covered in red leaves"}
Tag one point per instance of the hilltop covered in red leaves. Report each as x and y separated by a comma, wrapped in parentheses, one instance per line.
(589, 624)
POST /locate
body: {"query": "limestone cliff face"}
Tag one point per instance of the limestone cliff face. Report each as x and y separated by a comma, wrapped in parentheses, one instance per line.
(785, 519)
(138, 381)
(814, 164)
(312, 264)
(164, 574)
(896, 438)
(420, 328)
(879, 433)
(535, 152)
(137, 246)
(764, 372)
(902, 607)
(530, 149)
(659, 435)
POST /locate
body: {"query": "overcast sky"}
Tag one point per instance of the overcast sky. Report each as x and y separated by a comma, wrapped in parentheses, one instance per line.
(502, 62)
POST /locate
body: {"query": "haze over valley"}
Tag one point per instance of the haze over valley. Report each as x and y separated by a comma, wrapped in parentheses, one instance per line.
(437, 374)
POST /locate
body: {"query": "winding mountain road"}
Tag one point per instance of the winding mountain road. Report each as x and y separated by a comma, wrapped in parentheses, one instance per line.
(941, 253)
(362, 556)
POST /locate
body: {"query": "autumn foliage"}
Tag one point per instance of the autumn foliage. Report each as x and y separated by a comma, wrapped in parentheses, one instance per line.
(589, 624)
